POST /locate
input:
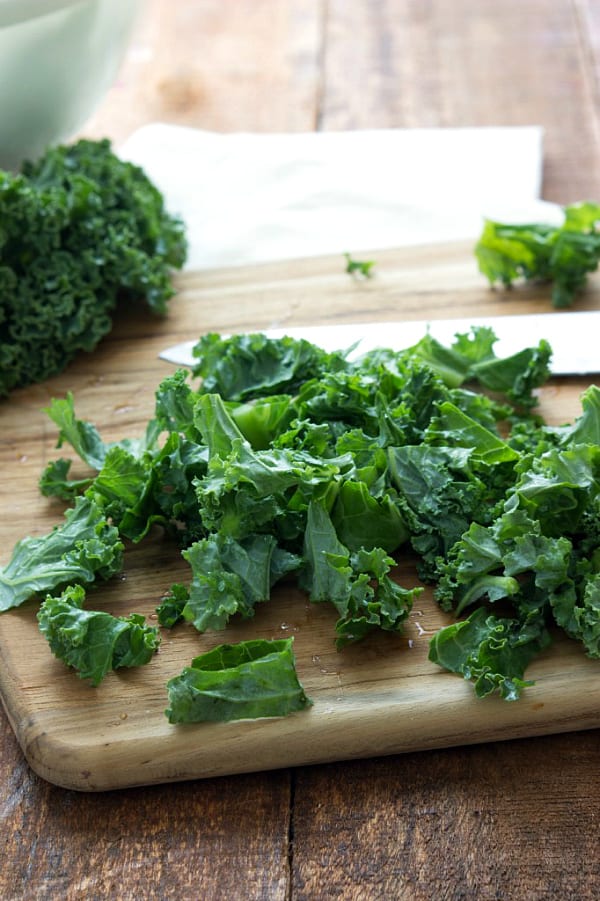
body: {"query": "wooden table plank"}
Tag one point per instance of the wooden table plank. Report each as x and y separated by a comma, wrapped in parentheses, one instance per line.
(506, 821)
(404, 64)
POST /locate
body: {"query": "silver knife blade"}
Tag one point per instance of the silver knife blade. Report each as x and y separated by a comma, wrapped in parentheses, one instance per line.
(573, 336)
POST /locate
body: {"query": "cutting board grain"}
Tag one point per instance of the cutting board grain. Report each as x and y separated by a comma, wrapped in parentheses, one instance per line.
(378, 698)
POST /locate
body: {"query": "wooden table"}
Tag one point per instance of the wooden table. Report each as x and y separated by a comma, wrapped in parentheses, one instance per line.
(511, 820)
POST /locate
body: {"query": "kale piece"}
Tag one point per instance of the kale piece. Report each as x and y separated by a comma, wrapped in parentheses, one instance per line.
(562, 255)
(92, 641)
(247, 680)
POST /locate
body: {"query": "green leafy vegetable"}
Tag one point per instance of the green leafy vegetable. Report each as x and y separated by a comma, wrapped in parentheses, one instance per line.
(562, 255)
(80, 550)
(493, 652)
(82, 233)
(357, 583)
(247, 680)
(287, 462)
(230, 577)
(170, 609)
(250, 366)
(363, 268)
(91, 641)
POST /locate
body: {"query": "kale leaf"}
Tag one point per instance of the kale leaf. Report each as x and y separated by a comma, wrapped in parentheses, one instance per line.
(92, 641)
(86, 546)
(562, 255)
(493, 652)
(247, 680)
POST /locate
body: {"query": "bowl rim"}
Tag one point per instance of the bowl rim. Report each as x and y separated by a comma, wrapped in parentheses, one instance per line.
(14, 11)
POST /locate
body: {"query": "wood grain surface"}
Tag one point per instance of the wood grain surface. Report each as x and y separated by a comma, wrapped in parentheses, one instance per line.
(508, 820)
(381, 696)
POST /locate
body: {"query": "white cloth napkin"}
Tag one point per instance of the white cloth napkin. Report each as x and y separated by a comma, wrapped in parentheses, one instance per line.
(249, 198)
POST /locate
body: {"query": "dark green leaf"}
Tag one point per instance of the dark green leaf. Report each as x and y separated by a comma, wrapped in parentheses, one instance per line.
(91, 641)
(80, 550)
(490, 651)
(244, 681)
(83, 232)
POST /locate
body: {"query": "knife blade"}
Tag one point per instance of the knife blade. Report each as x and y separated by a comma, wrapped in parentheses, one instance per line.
(573, 336)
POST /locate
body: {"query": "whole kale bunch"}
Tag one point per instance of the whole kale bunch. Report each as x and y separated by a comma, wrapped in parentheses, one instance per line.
(80, 232)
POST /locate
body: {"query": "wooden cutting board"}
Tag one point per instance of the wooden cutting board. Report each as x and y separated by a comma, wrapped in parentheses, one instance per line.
(380, 697)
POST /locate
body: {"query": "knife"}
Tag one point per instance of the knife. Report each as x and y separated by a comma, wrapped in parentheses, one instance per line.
(574, 337)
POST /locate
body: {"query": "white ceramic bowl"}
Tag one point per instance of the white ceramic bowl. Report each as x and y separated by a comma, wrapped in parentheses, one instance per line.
(57, 60)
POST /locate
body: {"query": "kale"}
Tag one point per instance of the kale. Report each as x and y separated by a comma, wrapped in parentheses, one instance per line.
(360, 268)
(493, 652)
(356, 583)
(251, 366)
(539, 555)
(230, 576)
(84, 547)
(562, 255)
(82, 233)
(286, 462)
(242, 681)
(92, 641)
(170, 610)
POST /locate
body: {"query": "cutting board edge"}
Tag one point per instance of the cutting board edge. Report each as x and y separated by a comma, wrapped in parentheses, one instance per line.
(86, 781)
(321, 735)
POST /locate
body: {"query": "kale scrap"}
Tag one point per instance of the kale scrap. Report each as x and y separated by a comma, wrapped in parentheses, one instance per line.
(561, 255)
(247, 680)
(81, 232)
(92, 641)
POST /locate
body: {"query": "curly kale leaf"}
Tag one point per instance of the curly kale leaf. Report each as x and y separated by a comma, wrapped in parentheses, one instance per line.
(586, 428)
(558, 487)
(562, 255)
(510, 559)
(55, 482)
(85, 547)
(440, 492)
(471, 358)
(91, 641)
(245, 492)
(85, 439)
(83, 232)
(247, 680)
(516, 376)
(362, 520)
(493, 652)
(170, 610)
(249, 366)
(357, 584)
(230, 577)
(582, 621)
